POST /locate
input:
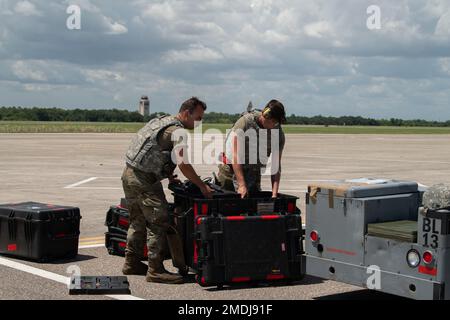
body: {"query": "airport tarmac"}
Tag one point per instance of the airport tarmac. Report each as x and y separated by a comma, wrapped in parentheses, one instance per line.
(84, 170)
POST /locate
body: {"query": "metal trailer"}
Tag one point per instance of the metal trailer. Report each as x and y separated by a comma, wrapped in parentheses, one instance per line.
(340, 248)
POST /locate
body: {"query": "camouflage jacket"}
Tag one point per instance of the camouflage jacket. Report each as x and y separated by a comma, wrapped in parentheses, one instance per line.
(145, 153)
(248, 121)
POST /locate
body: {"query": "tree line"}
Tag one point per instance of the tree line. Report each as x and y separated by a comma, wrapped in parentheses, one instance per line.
(117, 115)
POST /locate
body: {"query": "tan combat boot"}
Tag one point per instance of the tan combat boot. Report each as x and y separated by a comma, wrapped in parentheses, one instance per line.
(157, 273)
(133, 266)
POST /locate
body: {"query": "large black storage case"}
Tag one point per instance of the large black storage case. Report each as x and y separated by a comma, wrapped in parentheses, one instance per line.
(39, 232)
(118, 220)
(248, 248)
(189, 204)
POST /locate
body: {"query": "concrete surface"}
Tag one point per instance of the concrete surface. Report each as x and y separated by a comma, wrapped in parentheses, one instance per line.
(84, 170)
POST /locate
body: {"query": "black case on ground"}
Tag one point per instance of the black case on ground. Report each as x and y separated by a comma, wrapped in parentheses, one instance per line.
(189, 204)
(116, 243)
(117, 220)
(39, 232)
(244, 249)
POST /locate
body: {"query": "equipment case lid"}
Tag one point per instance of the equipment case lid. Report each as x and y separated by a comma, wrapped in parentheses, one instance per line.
(38, 211)
(364, 188)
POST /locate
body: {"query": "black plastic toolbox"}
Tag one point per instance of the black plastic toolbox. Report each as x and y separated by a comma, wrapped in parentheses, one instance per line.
(117, 219)
(118, 222)
(116, 244)
(231, 203)
(238, 249)
(189, 204)
(39, 232)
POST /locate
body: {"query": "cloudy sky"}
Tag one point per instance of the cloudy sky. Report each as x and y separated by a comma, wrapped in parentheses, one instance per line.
(317, 56)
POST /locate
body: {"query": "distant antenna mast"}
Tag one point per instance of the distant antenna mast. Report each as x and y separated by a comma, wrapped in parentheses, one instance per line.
(250, 106)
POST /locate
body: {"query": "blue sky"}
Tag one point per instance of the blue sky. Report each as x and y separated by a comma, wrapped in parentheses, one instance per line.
(317, 57)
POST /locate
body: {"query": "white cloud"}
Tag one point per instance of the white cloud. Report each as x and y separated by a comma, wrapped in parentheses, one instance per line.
(317, 56)
(443, 26)
(445, 65)
(26, 8)
(436, 7)
(85, 5)
(25, 71)
(33, 87)
(94, 75)
(195, 53)
(318, 29)
(160, 11)
(114, 28)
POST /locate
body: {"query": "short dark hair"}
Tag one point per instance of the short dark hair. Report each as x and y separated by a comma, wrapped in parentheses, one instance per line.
(277, 111)
(192, 104)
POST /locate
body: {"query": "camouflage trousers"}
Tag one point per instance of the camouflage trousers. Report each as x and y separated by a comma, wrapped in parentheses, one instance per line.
(149, 215)
(227, 178)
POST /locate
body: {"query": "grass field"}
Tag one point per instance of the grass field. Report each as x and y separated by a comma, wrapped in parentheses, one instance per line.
(102, 127)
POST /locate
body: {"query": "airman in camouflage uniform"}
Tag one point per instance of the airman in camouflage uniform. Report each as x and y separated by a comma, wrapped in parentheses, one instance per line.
(245, 178)
(148, 161)
(437, 197)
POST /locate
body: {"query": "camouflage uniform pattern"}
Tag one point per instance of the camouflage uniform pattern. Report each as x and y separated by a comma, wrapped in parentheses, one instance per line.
(146, 154)
(437, 197)
(149, 214)
(227, 179)
(252, 172)
(147, 203)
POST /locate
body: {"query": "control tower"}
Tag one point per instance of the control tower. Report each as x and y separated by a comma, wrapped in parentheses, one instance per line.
(144, 106)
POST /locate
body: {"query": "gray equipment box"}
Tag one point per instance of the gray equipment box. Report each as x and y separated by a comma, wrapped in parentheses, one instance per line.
(340, 247)
(340, 213)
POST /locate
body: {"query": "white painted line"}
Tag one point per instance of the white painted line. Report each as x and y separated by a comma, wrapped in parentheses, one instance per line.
(35, 271)
(308, 180)
(80, 183)
(124, 297)
(96, 188)
(293, 190)
(91, 246)
(105, 188)
(53, 276)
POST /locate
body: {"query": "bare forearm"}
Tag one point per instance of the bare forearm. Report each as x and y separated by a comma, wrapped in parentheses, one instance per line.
(276, 184)
(237, 166)
(239, 173)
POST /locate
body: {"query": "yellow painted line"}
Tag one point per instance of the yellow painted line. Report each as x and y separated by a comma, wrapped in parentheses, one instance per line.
(85, 243)
(89, 238)
(92, 238)
(98, 240)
